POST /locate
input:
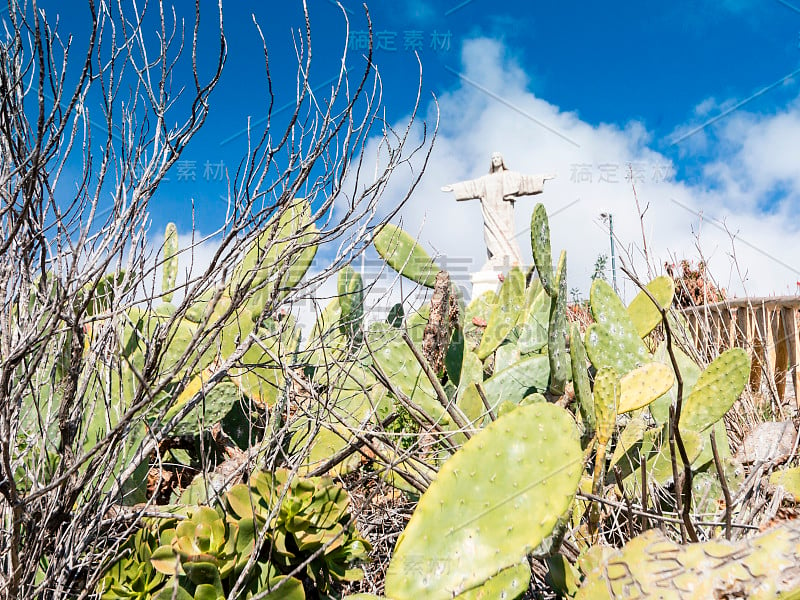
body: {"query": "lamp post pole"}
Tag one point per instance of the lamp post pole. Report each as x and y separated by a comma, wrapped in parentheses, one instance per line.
(610, 218)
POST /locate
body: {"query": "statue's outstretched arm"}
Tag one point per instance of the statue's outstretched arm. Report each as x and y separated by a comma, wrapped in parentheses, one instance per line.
(466, 190)
(532, 184)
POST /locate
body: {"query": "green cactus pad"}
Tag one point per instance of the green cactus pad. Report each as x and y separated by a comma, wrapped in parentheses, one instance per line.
(216, 404)
(476, 317)
(534, 320)
(613, 340)
(644, 314)
(659, 466)
(399, 364)
(540, 244)
(170, 251)
(470, 403)
(789, 480)
(689, 374)
(606, 400)
(507, 355)
(580, 378)
(609, 348)
(508, 584)
(516, 382)
(277, 248)
(557, 332)
(653, 567)
(471, 370)
(505, 313)
(350, 290)
(642, 386)
(416, 322)
(707, 494)
(454, 357)
(257, 374)
(628, 441)
(717, 388)
(490, 505)
(405, 255)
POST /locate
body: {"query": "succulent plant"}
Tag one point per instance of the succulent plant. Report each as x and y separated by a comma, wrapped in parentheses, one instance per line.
(305, 516)
(202, 551)
(201, 547)
(133, 576)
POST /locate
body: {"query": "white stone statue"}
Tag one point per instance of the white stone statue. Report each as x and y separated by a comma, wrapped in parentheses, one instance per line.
(497, 192)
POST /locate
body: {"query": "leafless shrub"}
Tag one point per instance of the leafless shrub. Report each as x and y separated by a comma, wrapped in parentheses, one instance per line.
(86, 137)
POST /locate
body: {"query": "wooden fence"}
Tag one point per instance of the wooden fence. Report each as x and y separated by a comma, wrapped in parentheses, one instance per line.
(766, 327)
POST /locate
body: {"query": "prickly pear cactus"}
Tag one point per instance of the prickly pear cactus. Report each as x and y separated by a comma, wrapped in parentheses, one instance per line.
(490, 505)
(557, 332)
(476, 318)
(540, 244)
(644, 314)
(606, 400)
(397, 362)
(269, 254)
(716, 390)
(405, 256)
(517, 381)
(642, 386)
(580, 378)
(613, 340)
(351, 303)
(504, 314)
(170, 261)
(652, 567)
(534, 320)
(508, 584)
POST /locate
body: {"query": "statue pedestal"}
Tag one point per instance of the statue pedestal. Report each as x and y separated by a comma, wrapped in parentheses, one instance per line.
(487, 280)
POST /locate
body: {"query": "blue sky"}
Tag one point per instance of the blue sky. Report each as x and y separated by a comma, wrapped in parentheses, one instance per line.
(700, 97)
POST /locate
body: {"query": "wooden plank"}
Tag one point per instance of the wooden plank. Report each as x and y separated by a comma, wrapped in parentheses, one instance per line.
(716, 332)
(744, 333)
(770, 302)
(781, 353)
(691, 321)
(728, 326)
(793, 346)
(758, 316)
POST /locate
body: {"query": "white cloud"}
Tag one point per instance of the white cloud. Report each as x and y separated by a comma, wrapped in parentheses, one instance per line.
(754, 157)
(753, 160)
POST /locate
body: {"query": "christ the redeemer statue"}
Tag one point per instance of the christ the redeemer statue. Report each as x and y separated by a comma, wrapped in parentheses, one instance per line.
(497, 192)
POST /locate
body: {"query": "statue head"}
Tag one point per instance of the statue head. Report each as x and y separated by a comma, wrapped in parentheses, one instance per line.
(498, 164)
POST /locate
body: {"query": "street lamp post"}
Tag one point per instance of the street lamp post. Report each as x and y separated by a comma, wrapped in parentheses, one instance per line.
(610, 218)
